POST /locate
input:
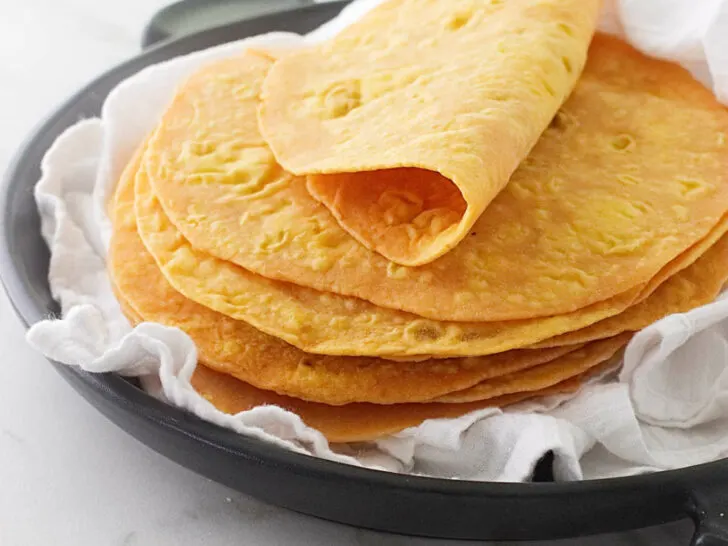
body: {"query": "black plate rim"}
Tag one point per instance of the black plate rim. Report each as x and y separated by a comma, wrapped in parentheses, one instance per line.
(120, 392)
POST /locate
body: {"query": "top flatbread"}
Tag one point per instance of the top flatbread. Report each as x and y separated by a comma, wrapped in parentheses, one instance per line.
(418, 114)
(631, 173)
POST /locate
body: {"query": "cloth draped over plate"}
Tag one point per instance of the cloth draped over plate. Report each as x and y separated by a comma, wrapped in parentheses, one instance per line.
(641, 431)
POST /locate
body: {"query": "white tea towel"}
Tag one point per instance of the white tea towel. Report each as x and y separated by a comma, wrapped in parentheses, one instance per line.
(667, 408)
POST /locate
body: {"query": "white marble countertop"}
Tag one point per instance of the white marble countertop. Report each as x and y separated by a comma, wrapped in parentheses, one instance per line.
(67, 475)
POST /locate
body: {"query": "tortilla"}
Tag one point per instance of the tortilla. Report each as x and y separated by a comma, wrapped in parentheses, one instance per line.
(502, 375)
(570, 365)
(409, 161)
(345, 423)
(697, 285)
(323, 323)
(236, 348)
(631, 174)
(352, 422)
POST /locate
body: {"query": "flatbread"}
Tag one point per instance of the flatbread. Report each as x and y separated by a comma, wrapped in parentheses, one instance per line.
(630, 174)
(352, 422)
(234, 347)
(570, 365)
(329, 324)
(697, 285)
(409, 160)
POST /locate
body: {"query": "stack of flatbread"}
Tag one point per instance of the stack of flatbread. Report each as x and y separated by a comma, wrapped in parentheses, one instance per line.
(453, 204)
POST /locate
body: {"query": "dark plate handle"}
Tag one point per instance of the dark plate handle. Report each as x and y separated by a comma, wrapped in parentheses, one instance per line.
(709, 510)
(188, 16)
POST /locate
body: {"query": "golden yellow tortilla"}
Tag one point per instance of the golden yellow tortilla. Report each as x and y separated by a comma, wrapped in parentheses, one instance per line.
(631, 173)
(352, 422)
(570, 365)
(237, 348)
(323, 323)
(344, 423)
(415, 117)
(697, 285)
(317, 322)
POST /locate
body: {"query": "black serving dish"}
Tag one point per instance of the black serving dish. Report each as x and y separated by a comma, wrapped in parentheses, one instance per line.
(365, 498)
